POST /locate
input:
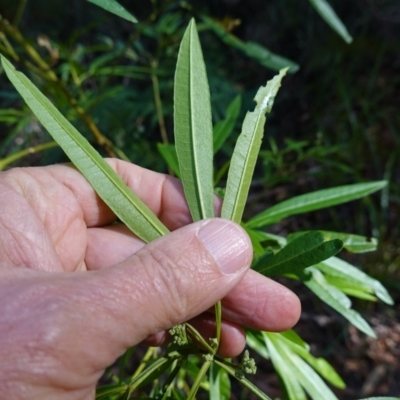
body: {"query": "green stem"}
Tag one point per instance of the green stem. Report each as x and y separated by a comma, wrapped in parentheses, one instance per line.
(23, 153)
(158, 102)
(221, 172)
(197, 336)
(218, 322)
(7, 47)
(232, 371)
(199, 378)
(169, 382)
(20, 12)
(47, 72)
(149, 353)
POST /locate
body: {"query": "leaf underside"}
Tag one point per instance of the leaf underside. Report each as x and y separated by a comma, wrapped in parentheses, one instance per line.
(193, 126)
(105, 181)
(115, 8)
(246, 151)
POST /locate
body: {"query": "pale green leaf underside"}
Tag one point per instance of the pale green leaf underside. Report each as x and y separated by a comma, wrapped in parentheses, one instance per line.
(246, 151)
(115, 8)
(336, 267)
(325, 10)
(337, 300)
(314, 201)
(105, 181)
(295, 373)
(308, 249)
(193, 126)
(220, 385)
(382, 398)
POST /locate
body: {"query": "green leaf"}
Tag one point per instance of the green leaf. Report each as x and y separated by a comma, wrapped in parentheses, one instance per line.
(220, 385)
(350, 287)
(152, 372)
(325, 10)
(104, 392)
(382, 398)
(115, 8)
(292, 336)
(246, 151)
(337, 300)
(352, 243)
(242, 380)
(105, 181)
(319, 364)
(338, 268)
(297, 369)
(200, 376)
(314, 201)
(284, 369)
(193, 126)
(308, 249)
(253, 50)
(224, 128)
(168, 153)
(267, 58)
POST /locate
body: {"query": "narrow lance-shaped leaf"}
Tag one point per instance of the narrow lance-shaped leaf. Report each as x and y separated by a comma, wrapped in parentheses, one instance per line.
(352, 243)
(325, 10)
(337, 300)
(342, 269)
(220, 385)
(309, 249)
(115, 8)
(246, 151)
(319, 364)
(105, 181)
(193, 126)
(168, 153)
(261, 54)
(283, 367)
(300, 370)
(314, 201)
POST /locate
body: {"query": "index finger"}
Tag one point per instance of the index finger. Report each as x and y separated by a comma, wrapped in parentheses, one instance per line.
(162, 193)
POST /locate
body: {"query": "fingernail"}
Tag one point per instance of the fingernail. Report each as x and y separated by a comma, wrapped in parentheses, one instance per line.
(228, 244)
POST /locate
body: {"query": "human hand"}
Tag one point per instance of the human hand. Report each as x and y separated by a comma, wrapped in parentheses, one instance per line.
(77, 290)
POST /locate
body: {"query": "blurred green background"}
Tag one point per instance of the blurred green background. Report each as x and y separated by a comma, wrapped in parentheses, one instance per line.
(335, 121)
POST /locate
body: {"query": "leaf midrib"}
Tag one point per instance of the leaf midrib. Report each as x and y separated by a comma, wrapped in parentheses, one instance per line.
(247, 159)
(297, 255)
(268, 215)
(78, 141)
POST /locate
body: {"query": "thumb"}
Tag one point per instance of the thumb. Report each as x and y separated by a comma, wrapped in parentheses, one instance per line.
(74, 325)
(89, 319)
(175, 278)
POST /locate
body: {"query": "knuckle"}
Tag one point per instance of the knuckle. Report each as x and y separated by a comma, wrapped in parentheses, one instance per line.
(172, 277)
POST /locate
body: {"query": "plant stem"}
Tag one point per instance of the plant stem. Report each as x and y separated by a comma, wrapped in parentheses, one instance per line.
(218, 322)
(48, 74)
(203, 370)
(151, 351)
(196, 335)
(158, 102)
(20, 12)
(23, 153)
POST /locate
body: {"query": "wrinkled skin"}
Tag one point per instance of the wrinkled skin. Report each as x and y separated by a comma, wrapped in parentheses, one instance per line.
(78, 289)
